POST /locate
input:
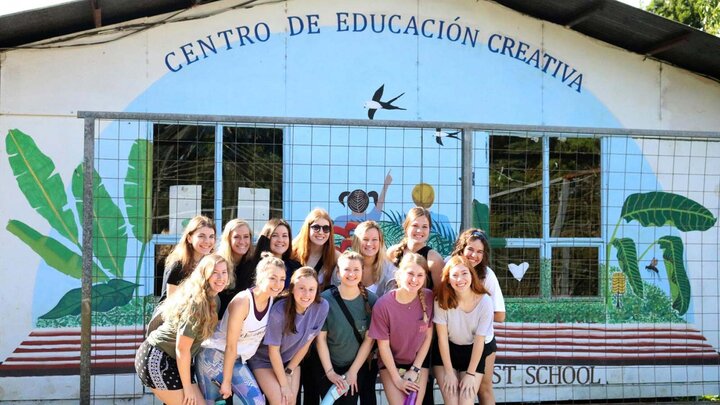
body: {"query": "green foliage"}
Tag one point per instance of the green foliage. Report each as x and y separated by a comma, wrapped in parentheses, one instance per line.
(105, 296)
(653, 307)
(138, 190)
(561, 311)
(109, 234)
(481, 220)
(659, 208)
(55, 254)
(135, 312)
(672, 247)
(44, 189)
(392, 232)
(627, 258)
(701, 14)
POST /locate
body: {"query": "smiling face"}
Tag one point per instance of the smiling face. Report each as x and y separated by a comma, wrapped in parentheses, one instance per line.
(370, 243)
(474, 251)
(412, 278)
(319, 231)
(350, 272)
(218, 278)
(304, 292)
(460, 278)
(202, 241)
(418, 229)
(274, 282)
(240, 240)
(279, 240)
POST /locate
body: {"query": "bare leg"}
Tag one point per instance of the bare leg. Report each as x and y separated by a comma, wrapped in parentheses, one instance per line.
(175, 397)
(449, 398)
(486, 394)
(271, 387)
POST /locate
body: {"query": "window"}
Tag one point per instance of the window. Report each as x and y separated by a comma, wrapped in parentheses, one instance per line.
(545, 206)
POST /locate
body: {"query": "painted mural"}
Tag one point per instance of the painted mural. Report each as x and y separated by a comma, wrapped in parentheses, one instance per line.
(455, 63)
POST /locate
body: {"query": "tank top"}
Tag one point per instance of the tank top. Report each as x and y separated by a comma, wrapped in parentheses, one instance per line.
(253, 330)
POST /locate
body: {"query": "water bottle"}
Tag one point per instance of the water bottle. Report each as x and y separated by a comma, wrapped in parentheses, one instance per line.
(334, 393)
(410, 398)
(219, 400)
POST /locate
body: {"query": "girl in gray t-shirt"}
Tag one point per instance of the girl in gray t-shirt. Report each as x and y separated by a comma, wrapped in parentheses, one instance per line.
(463, 319)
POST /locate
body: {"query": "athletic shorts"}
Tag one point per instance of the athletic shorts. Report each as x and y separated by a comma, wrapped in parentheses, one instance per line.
(156, 369)
(460, 355)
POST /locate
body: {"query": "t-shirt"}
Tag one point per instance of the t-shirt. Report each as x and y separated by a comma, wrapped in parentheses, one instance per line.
(464, 326)
(386, 283)
(402, 325)
(341, 340)
(165, 338)
(171, 275)
(493, 287)
(308, 326)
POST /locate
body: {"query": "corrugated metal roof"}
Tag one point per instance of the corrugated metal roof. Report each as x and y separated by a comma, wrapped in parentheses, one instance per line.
(607, 20)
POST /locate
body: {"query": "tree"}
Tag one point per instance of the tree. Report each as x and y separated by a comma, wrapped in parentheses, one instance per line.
(701, 14)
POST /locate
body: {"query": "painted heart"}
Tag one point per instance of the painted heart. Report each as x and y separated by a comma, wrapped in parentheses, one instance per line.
(518, 270)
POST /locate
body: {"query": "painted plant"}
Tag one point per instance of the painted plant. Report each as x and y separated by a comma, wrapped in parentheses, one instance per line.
(655, 209)
(45, 192)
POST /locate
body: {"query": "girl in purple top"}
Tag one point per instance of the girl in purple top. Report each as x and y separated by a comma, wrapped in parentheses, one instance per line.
(402, 325)
(293, 325)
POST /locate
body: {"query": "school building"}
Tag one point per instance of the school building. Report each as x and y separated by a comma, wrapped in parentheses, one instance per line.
(583, 136)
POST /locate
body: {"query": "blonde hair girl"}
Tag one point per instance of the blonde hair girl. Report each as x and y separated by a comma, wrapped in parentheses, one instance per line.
(163, 361)
(236, 247)
(224, 355)
(401, 324)
(378, 272)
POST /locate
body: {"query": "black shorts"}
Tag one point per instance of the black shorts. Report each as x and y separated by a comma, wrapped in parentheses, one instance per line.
(460, 355)
(156, 369)
(425, 364)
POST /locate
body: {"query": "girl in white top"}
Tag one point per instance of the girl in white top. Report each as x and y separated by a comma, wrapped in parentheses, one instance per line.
(464, 323)
(224, 355)
(473, 244)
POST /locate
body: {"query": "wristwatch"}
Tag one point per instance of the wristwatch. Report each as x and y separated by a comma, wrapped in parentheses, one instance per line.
(289, 371)
(415, 369)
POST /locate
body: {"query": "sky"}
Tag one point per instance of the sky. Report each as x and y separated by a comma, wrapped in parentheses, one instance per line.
(14, 6)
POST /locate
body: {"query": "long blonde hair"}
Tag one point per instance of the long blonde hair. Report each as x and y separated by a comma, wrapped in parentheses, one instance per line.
(301, 243)
(380, 257)
(413, 214)
(183, 250)
(193, 302)
(407, 261)
(225, 248)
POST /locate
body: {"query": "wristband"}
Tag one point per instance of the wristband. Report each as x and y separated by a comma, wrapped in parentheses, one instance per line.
(415, 368)
(468, 373)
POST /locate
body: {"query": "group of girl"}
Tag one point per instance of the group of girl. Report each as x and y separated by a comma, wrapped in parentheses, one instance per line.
(262, 321)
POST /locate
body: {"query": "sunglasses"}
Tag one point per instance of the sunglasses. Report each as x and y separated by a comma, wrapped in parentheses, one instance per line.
(318, 228)
(478, 234)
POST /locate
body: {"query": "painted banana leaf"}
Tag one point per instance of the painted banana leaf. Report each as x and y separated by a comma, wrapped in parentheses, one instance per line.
(392, 232)
(481, 220)
(54, 253)
(44, 190)
(109, 231)
(627, 258)
(138, 189)
(440, 244)
(672, 247)
(658, 208)
(105, 296)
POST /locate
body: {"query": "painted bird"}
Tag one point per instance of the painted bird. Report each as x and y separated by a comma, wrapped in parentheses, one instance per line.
(439, 135)
(653, 266)
(375, 104)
